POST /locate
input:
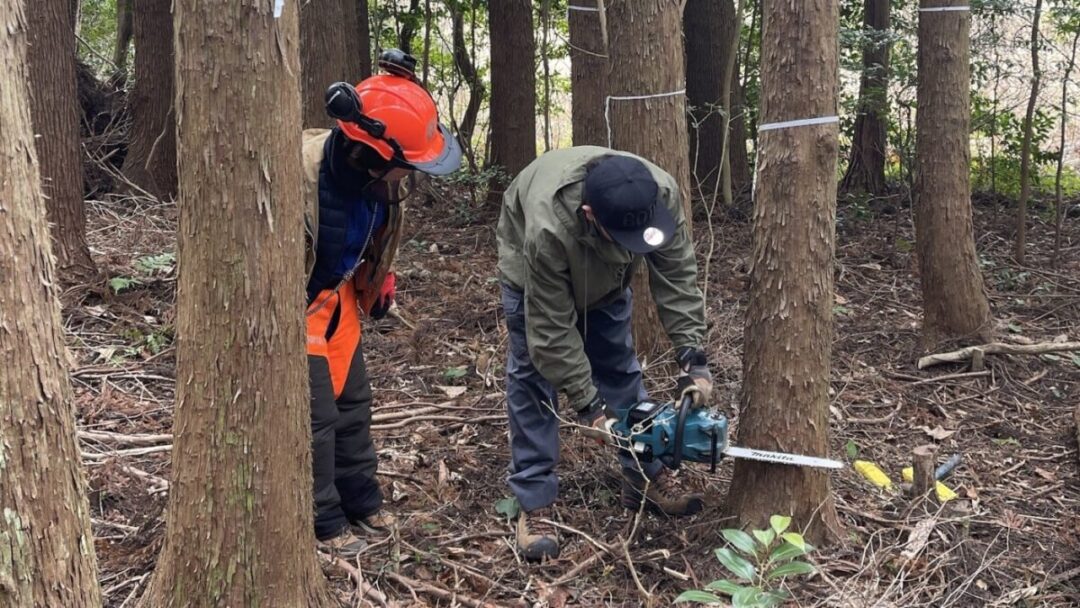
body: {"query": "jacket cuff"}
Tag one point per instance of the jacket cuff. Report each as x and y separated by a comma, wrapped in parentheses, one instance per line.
(580, 399)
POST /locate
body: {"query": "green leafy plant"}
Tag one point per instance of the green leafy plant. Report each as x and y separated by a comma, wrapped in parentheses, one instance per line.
(760, 561)
(119, 284)
(508, 507)
(153, 264)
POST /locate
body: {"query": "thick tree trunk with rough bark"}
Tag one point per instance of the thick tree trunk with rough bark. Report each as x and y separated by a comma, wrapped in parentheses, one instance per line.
(647, 59)
(789, 320)
(710, 29)
(239, 529)
(1025, 144)
(588, 75)
(955, 306)
(513, 85)
(866, 166)
(151, 159)
(54, 109)
(329, 53)
(46, 547)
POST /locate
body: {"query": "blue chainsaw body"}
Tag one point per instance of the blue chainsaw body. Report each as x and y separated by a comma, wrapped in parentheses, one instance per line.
(672, 434)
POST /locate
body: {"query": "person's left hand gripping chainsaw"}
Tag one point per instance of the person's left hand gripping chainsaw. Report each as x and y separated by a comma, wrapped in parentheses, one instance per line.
(694, 380)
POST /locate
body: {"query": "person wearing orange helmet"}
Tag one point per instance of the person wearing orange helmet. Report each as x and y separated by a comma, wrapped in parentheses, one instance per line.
(387, 127)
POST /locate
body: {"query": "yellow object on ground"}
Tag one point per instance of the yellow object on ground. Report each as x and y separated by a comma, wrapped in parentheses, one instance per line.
(943, 492)
(873, 474)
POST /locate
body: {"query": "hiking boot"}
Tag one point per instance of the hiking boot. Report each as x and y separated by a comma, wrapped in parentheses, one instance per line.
(344, 545)
(661, 497)
(379, 523)
(536, 539)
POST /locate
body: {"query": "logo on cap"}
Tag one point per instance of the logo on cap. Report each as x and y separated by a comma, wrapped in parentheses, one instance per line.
(653, 237)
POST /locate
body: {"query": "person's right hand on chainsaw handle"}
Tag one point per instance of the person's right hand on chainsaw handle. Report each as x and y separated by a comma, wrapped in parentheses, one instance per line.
(695, 379)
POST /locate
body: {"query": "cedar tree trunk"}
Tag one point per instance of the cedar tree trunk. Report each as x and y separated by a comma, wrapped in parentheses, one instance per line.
(789, 319)
(955, 306)
(329, 53)
(710, 28)
(46, 547)
(151, 159)
(239, 526)
(513, 85)
(646, 59)
(588, 75)
(54, 110)
(866, 166)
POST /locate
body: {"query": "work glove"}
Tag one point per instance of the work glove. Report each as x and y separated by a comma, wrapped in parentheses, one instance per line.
(382, 304)
(694, 379)
(597, 421)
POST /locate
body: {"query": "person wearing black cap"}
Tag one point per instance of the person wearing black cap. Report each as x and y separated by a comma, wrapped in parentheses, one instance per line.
(574, 226)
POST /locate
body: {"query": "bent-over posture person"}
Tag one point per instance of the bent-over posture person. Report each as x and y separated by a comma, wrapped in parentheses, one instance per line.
(574, 226)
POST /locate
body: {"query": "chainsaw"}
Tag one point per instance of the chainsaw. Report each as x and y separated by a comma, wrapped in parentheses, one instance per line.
(662, 431)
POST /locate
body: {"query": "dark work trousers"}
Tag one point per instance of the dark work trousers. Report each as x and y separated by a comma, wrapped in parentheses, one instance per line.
(343, 455)
(532, 402)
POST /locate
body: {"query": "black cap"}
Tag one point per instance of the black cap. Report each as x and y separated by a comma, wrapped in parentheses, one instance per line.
(622, 194)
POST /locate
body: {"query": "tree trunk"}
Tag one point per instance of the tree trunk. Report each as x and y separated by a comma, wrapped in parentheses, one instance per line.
(469, 73)
(1025, 144)
(329, 53)
(789, 329)
(645, 46)
(364, 38)
(513, 86)
(239, 528)
(54, 109)
(124, 31)
(151, 159)
(1059, 202)
(588, 75)
(710, 28)
(955, 306)
(46, 547)
(409, 26)
(866, 166)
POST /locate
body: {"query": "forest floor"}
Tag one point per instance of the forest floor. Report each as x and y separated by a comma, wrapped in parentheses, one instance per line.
(1011, 538)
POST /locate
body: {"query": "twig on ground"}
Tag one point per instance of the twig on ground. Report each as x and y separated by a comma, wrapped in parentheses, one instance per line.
(365, 588)
(119, 438)
(132, 452)
(997, 348)
(438, 592)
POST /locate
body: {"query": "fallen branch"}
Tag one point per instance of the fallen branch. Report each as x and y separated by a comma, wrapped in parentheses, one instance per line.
(438, 592)
(132, 452)
(138, 440)
(362, 585)
(997, 348)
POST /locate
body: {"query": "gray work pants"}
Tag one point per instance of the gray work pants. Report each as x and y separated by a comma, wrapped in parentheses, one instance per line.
(531, 401)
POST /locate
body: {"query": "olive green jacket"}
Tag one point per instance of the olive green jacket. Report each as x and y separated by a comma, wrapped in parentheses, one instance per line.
(564, 267)
(379, 257)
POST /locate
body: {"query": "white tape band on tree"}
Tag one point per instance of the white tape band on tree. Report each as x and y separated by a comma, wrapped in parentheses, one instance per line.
(787, 124)
(610, 98)
(802, 122)
(585, 9)
(279, 5)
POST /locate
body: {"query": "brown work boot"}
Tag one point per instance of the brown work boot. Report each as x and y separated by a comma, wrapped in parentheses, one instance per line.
(378, 524)
(537, 540)
(661, 497)
(344, 545)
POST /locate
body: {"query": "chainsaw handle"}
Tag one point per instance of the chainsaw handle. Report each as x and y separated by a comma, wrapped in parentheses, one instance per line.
(685, 405)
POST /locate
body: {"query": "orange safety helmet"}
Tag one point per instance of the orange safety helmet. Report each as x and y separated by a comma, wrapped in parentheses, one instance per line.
(397, 117)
